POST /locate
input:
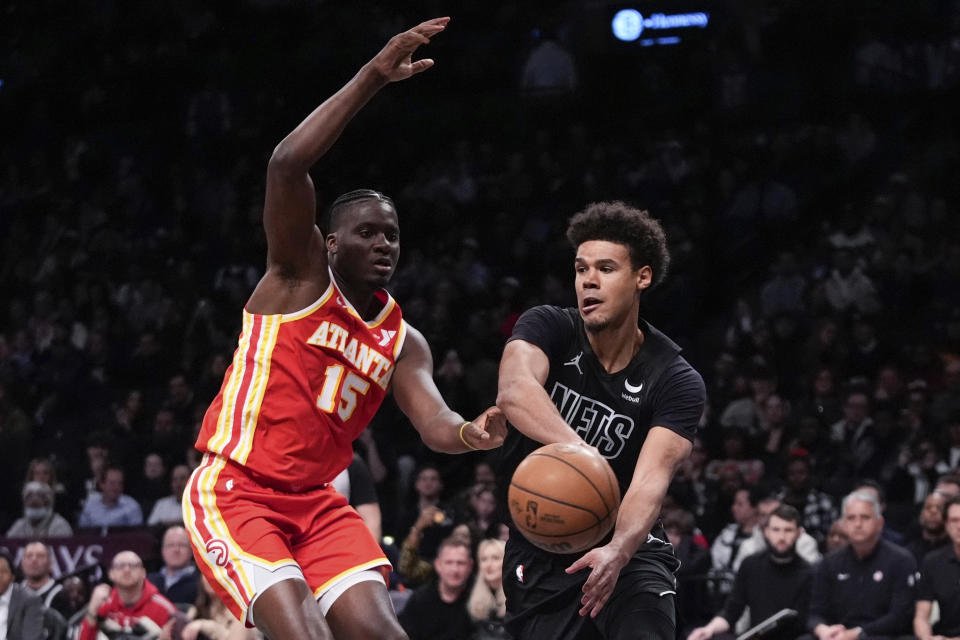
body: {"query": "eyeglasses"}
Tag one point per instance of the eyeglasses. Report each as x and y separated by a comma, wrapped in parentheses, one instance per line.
(127, 565)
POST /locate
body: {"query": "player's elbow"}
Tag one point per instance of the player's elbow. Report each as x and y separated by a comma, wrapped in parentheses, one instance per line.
(283, 160)
(509, 395)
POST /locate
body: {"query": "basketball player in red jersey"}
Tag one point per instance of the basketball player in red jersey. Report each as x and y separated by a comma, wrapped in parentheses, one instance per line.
(322, 343)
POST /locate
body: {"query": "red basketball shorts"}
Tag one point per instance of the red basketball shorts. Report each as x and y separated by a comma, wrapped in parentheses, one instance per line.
(247, 537)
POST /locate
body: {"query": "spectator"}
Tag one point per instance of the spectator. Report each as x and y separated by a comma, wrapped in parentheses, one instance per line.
(822, 401)
(132, 606)
(438, 609)
(784, 291)
(152, 483)
(806, 545)
(42, 470)
(940, 582)
(77, 593)
(953, 440)
(931, 534)
(724, 550)
(745, 412)
(848, 288)
(854, 432)
(38, 578)
(168, 509)
(428, 486)
(487, 604)
(177, 578)
(866, 587)
(110, 507)
(39, 519)
(21, 612)
(211, 620)
(767, 582)
(693, 598)
(816, 508)
(945, 405)
(482, 518)
(836, 537)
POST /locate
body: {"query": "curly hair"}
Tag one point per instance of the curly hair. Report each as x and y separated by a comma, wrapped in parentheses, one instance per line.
(619, 222)
(348, 198)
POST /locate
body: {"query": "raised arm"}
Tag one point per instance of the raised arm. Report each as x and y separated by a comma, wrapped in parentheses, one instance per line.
(522, 398)
(294, 244)
(661, 454)
(441, 428)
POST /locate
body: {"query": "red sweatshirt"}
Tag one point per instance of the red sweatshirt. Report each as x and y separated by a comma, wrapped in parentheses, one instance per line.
(150, 605)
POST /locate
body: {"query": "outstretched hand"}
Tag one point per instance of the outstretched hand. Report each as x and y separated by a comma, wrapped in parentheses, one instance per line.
(394, 62)
(605, 564)
(487, 431)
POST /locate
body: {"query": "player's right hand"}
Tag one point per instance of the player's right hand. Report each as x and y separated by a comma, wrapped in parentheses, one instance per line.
(394, 62)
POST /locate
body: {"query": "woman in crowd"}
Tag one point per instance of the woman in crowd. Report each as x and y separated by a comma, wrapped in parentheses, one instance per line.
(487, 604)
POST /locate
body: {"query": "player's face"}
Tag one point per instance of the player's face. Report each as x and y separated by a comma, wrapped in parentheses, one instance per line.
(365, 245)
(607, 284)
(781, 534)
(861, 523)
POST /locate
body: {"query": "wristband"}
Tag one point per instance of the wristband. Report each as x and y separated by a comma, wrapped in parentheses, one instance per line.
(463, 440)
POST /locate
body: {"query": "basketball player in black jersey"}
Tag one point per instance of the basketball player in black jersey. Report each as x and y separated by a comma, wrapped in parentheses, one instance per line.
(601, 376)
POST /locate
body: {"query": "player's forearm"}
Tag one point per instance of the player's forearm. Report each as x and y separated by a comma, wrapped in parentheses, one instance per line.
(639, 510)
(529, 409)
(442, 432)
(306, 144)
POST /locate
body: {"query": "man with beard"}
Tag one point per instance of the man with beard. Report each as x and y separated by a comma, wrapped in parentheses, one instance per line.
(940, 582)
(768, 582)
(38, 578)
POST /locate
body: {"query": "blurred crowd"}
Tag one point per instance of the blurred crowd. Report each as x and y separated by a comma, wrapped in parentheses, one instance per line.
(802, 158)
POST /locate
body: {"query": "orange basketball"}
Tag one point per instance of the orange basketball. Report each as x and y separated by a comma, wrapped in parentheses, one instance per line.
(564, 498)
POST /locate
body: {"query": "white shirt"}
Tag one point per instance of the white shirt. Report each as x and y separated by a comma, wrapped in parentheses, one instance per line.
(5, 611)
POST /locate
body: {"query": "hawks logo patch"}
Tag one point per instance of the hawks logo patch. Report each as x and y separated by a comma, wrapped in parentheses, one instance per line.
(217, 552)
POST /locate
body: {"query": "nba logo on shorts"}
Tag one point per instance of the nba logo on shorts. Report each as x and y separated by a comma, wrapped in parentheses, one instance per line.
(520, 573)
(217, 550)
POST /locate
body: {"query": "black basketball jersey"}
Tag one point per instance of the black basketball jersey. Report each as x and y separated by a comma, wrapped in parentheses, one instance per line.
(610, 411)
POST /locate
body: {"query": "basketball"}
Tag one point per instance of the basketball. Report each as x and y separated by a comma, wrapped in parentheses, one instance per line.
(564, 498)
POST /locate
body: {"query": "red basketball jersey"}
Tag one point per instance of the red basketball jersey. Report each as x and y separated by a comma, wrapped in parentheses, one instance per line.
(301, 388)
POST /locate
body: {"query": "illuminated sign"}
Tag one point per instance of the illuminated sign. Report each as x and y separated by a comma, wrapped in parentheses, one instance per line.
(629, 24)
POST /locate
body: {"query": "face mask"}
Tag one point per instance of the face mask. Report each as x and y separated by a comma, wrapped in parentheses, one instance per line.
(37, 514)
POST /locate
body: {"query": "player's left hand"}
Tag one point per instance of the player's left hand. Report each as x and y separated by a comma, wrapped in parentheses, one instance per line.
(605, 563)
(488, 430)
(394, 62)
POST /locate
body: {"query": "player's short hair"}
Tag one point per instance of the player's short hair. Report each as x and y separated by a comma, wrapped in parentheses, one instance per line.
(350, 197)
(788, 513)
(618, 222)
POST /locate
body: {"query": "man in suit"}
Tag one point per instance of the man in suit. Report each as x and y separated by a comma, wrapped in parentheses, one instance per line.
(21, 616)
